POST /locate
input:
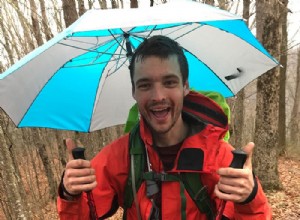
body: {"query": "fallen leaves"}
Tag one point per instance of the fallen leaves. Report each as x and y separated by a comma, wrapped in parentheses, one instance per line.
(286, 203)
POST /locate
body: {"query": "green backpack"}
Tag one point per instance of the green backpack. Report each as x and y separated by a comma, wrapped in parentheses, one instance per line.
(189, 181)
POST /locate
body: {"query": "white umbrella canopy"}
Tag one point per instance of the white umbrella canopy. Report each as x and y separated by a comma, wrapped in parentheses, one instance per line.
(80, 80)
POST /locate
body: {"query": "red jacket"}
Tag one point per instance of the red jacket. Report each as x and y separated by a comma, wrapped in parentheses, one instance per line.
(112, 165)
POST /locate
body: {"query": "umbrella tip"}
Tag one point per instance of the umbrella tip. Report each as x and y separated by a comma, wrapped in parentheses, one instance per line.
(235, 75)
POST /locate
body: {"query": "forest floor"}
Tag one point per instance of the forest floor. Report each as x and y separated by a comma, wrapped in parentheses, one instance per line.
(285, 203)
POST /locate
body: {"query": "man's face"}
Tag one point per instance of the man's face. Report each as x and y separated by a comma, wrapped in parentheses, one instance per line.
(159, 92)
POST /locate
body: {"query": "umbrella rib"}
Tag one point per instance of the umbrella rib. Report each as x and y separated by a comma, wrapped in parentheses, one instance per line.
(182, 27)
(82, 42)
(96, 57)
(117, 68)
(91, 64)
(116, 39)
(88, 50)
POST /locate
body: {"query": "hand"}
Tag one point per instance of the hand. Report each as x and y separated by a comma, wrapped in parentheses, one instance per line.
(236, 184)
(79, 175)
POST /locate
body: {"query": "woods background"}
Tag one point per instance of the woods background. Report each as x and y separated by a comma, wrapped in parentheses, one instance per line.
(266, 112)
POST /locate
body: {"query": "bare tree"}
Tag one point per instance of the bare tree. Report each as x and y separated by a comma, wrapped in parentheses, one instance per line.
(114, 3)
(45, 23)
(103, 4)
(15, 199)
(134, 4)
(56, 16)
(282, 77)
(35, 23)
(25, 25)
(6, 44)
(69, 10)
(295, 116)
(238, 110)
(81, 7)
(267, 107)
(209, 2)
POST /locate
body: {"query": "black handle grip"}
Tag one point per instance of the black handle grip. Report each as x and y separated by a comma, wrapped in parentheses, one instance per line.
(239, 158)
(78, 153)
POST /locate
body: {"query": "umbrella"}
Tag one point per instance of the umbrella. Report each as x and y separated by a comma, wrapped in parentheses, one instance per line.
(79, 80)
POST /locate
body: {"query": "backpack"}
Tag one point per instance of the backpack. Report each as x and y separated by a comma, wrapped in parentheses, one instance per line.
(189, 181)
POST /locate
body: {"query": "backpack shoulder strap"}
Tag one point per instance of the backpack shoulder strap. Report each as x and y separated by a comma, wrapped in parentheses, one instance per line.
(137, 166)
(198, 193)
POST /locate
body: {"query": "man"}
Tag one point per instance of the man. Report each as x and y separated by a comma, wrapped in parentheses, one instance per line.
(178, 138)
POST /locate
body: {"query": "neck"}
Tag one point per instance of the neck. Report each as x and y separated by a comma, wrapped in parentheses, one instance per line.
(172, 137)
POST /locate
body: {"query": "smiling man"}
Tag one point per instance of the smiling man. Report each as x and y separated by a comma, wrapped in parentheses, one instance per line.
(174, 164)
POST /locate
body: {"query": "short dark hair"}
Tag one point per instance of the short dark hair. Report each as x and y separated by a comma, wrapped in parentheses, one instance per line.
(163, 47)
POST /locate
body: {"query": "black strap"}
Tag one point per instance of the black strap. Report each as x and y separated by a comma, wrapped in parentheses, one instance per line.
(198, 193)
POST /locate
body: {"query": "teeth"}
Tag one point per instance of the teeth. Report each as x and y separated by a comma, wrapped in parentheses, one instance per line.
(159, 110)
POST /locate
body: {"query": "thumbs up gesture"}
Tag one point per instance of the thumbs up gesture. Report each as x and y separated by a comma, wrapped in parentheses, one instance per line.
(236, 185)
(79, 176)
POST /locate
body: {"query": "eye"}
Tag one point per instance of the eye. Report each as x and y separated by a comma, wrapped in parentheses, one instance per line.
(143, 86)
(171, 83)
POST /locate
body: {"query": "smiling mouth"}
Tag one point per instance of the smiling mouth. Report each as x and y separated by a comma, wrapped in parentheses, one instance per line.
(160, 113)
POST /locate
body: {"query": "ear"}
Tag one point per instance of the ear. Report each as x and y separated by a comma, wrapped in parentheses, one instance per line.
(186, 88)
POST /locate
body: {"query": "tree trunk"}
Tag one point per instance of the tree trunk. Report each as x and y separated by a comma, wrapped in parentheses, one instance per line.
(238, 110)
(48, 169)
(246, 11)
(134, 4)
(69, 10)
(45, 22)
(295, 117)
(224, 4)
(81, 7)
(282, 78)
(209, 2)
(6, 43)
(35, 23)
(57, 16)
(16, 203)
(266, 123)
(103, 4)
(114, 4)
(28, 42)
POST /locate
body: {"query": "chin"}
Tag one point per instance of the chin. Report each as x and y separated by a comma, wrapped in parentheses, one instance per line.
(160, 129)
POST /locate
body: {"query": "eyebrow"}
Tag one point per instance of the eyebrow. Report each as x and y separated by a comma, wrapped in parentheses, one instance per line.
(147, 79)
(170, 76)
(142, 80)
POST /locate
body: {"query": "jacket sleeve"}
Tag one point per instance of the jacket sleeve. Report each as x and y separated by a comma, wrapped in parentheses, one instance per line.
(72, 210)
(111, 170)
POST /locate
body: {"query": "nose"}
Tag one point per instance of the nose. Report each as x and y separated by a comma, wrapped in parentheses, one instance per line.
(158, 93)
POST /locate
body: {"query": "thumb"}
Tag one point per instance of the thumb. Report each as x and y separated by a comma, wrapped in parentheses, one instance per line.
(70, 145)
(249, 150)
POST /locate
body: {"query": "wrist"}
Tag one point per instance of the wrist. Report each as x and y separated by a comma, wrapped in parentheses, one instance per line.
(252, 194)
